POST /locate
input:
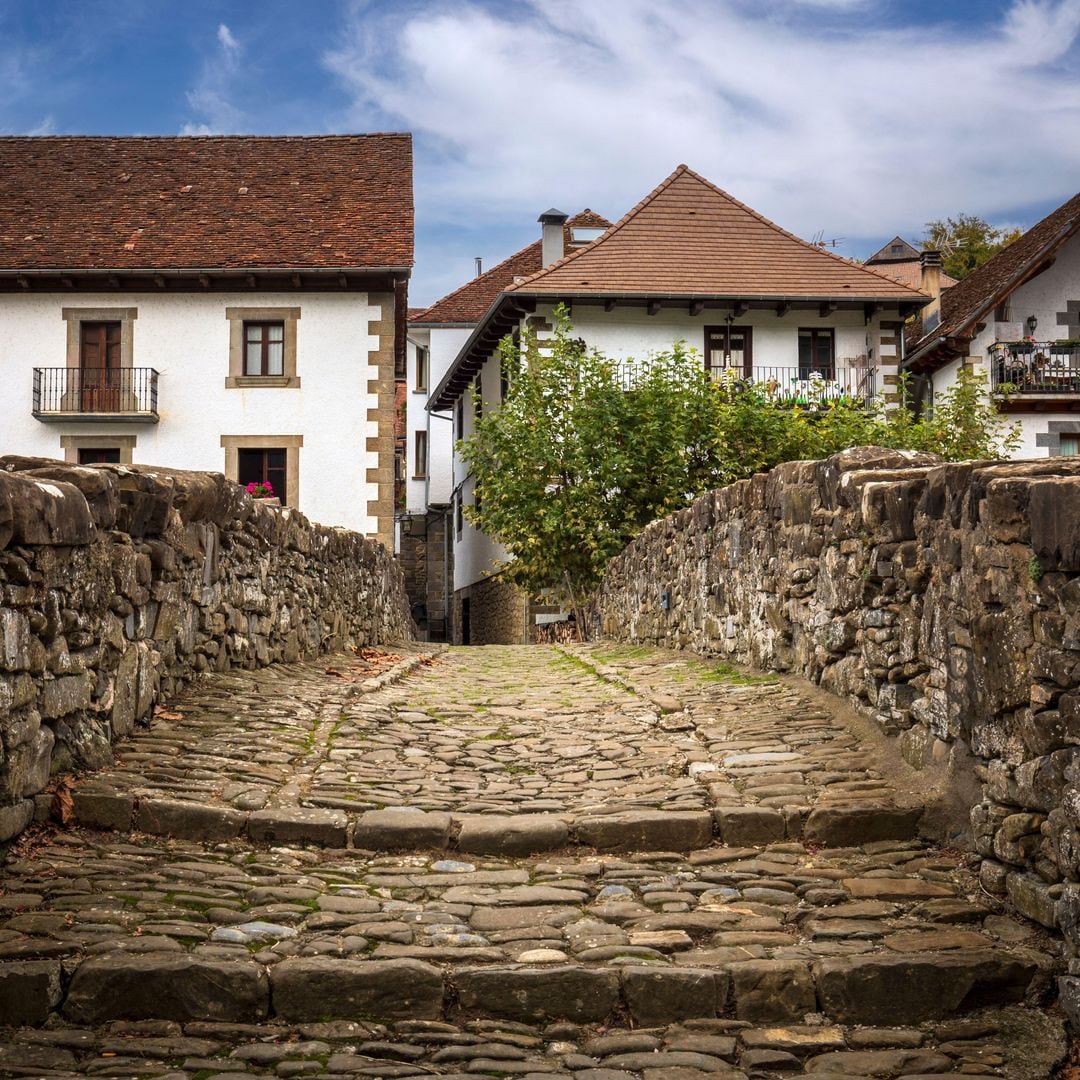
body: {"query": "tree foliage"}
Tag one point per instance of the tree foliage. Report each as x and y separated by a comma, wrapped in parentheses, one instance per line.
(584, 452)
(966, 242)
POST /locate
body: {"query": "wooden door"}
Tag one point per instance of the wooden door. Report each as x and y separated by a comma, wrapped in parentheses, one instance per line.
(99, 367)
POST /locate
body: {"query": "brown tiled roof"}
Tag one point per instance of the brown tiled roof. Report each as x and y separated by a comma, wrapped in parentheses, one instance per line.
(469, 303)
(909, 273)
(336, 201)
(983, 289)
(689, 238)
(886, 254)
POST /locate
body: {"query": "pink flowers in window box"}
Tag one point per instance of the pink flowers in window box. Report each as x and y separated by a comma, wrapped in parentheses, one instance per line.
(260, 490)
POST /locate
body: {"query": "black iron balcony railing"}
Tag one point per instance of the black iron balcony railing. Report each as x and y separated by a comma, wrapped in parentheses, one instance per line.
(1035, 367)
(96, 394)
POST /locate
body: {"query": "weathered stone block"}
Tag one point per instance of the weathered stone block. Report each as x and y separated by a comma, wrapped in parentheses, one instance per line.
(328, 828)
(15, 818)
(741, 826)
(29, 991)
(324, 988)
(1032, 898)
(165, 986)
(646, 830)
(498, 834)
(772, 991)
(188, 820)
(851, 826)
(103, 809)
(532, 995)
(66, 695)
(401, 830)
(668, 995)
(900, 990)
(1054, 510)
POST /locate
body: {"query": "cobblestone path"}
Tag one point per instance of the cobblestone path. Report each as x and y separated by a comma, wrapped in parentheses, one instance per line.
(601, 863)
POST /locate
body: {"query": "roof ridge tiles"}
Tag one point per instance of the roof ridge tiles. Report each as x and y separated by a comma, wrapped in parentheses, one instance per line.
(721, 231)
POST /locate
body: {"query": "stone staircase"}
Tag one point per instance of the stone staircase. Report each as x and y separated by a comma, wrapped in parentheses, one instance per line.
(596, 863)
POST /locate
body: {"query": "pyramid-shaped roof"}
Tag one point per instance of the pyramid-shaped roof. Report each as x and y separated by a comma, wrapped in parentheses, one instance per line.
(468, 304)
(689, 238)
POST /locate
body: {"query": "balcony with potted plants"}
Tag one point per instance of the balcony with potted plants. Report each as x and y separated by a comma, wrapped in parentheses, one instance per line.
(1028, 369)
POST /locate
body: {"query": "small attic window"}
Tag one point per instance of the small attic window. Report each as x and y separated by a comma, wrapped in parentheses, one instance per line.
(896, 249)
(581, 234)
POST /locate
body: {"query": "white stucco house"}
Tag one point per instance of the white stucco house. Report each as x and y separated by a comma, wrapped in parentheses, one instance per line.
(435, 337)
(688, 262)
(223, 303)
(1016, 319)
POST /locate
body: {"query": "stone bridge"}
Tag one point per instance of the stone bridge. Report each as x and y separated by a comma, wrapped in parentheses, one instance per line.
(608, 861)
(597, 862)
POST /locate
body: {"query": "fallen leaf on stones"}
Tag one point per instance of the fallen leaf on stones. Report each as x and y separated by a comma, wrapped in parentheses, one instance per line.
(166, 714)
(62, 805)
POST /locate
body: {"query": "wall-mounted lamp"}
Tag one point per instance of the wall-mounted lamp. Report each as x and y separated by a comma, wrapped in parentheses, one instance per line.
(1032, 323)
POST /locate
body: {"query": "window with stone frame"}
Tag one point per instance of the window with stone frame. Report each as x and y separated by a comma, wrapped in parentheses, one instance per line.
(264, 348)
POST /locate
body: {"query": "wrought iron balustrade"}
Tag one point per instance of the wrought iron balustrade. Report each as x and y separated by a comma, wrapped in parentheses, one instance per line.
(96, 394)
(1035, 367)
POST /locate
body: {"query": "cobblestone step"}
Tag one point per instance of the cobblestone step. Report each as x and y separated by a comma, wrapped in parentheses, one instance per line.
(709, 878)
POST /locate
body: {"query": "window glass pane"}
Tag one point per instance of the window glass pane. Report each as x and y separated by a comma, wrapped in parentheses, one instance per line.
(253, 358)
(1070, 445)
(275, 332)
(253, 331)
(275, 358)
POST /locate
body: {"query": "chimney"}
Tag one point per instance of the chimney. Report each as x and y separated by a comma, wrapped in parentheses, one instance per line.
(930, 283)
(479, 265)
(552, 222)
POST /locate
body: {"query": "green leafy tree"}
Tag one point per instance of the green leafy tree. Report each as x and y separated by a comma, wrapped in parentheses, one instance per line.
(584, 452)
(966, 242)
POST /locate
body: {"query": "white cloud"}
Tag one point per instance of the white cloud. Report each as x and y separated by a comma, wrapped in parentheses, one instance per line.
(816, 114)
(209, 99)
(226, 40)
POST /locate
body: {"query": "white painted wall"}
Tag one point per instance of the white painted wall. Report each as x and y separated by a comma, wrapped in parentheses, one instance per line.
(186, 338)
(444, 344)
(632, 332)
(476, 554)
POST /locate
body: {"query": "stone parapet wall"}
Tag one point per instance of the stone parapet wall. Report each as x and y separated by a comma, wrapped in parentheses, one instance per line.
(943, 600)
(119, 583)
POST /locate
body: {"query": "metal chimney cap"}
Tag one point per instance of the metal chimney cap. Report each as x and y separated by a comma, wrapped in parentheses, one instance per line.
(553, 217)
(930, 257)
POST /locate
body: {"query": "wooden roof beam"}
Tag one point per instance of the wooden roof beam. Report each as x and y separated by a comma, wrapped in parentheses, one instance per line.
(826, 309)
(653, 307)
(740, 309)
(783, 308)
(696, 307)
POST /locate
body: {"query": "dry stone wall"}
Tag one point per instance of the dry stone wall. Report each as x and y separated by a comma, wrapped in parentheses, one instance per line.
(118, 583)
(943, 600)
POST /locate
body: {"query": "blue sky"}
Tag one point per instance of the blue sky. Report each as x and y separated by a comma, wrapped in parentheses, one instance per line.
(853, 118)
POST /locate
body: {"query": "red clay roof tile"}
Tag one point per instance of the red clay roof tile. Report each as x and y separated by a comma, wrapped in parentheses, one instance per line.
(228, 202)
(469, 303)
(689, 238)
